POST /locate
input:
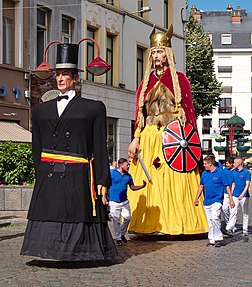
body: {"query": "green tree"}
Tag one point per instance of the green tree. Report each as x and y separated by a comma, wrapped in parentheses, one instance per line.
(16, 164)
(206, 89)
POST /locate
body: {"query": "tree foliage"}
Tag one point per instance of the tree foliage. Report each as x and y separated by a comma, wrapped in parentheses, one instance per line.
(206, 89)
(16, 164)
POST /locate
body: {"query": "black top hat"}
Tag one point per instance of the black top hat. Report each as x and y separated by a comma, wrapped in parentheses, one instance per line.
(67, 56)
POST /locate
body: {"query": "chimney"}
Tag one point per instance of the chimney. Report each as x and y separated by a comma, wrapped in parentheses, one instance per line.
(194, 8)
(196, 13)
(236, 15)
(229, 7)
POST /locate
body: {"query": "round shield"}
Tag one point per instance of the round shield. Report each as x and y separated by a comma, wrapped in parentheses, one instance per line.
(181, 146)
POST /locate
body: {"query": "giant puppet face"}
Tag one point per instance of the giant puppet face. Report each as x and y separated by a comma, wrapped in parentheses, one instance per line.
(159, 59)
(65, 80)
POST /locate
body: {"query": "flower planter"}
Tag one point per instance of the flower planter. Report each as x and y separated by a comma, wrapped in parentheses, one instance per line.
(243, 148)
(220, 140)
(220, 148)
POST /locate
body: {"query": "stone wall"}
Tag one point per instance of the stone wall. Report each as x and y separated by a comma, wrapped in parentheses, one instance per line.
(15, 200)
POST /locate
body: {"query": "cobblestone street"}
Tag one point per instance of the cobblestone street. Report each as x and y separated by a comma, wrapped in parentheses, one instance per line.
(144, 261)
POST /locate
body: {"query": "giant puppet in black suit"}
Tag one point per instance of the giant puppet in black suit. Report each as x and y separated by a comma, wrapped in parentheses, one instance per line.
(67, 218)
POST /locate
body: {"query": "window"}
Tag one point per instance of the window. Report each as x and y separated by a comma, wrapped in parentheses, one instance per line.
(140, 64)
(226, 89)
(109, 59)
(225, 69)
(111, 139)
(132, 129)
(251, 39)
(206, 146)
(226, 39)
(207, 124)
(111, 2)
(8, 33)
(166, 14)
(222, 122)
(66, 30)
(90, 51)
(225, 105)
(41, 33)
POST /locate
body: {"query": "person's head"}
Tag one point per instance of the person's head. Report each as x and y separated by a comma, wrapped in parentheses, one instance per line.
(113, 164)
(123, 165)
(209, 163)
(66, 66)
(66, 79)
(238, 163)
(160, 58)
(229, 162)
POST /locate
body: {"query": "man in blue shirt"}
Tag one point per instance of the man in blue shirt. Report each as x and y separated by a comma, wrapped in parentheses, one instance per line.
(241, 183)
(212, 182)
(118, 201)
(228, 170)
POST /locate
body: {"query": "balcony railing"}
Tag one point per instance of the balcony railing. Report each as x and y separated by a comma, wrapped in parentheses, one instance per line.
(225, 110)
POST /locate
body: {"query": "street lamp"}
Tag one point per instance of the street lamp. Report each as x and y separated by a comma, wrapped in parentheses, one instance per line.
(97, 67)
(231, 129)
(44, 71)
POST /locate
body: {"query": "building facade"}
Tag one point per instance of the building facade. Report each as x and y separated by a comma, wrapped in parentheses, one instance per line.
(231, 36)
(121, 30)
(14, 63)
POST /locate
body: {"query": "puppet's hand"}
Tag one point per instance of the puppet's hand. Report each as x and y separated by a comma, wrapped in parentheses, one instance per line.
(102, 190)
(133, 148)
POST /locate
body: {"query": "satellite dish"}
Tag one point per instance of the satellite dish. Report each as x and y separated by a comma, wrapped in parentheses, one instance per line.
(50, 95)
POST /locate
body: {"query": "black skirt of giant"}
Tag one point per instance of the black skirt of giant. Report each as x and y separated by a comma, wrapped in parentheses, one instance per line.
(68, 241)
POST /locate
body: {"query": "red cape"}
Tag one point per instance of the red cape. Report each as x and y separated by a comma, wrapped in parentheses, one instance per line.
(166, 79)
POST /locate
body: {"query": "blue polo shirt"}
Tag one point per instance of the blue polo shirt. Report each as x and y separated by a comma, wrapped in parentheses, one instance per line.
(118, 188)
(214, 184)
(229, 173)
(240, 178)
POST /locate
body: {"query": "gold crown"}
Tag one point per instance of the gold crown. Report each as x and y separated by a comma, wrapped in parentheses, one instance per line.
(161, 39)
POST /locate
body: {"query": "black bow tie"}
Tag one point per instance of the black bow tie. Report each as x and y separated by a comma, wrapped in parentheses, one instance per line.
(62, 97)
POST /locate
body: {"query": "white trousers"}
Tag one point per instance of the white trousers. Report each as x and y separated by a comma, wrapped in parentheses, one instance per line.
(213, 212)
(118, 210)
(226, 208)
(244, 203)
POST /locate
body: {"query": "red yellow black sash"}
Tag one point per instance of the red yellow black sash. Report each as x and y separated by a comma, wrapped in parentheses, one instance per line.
(72, 159)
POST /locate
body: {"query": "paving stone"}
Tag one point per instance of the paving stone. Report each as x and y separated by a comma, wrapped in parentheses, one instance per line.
(154, 261)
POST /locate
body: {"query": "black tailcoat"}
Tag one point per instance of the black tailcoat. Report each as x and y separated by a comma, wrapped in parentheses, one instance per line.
(62, 191)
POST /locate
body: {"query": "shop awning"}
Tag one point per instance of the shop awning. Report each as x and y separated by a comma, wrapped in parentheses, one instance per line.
(10, 131)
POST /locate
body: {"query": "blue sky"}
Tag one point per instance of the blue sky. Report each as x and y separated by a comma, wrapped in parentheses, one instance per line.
(220, 5)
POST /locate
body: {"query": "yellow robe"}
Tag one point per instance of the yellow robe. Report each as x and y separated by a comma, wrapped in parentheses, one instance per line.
(165, 205)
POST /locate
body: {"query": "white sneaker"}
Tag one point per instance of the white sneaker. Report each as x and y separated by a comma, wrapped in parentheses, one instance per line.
(245, 233)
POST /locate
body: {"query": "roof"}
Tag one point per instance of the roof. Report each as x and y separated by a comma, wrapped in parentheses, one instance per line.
(220, 22)
(236, 120)
(11, 131)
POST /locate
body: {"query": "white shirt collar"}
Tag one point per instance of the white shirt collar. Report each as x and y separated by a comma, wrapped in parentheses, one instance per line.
(70, 94)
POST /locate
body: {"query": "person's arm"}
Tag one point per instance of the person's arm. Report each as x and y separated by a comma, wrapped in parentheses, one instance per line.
(133, 148)
(101, 163)
(244, 190)
(137, 187)
(229, 192)
(200, 190)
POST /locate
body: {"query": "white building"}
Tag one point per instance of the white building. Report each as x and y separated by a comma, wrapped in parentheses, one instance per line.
(231, 35)
(122, 34)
